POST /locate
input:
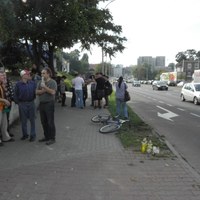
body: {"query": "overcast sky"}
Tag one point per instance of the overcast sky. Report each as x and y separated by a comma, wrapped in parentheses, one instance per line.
(154, 28)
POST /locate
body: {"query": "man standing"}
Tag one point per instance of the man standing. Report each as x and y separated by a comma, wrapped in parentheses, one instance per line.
(46, 90)
(78, 84)
(24, 95)
(100, 89)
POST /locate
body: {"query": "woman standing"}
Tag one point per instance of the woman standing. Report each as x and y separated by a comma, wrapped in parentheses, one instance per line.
(121, 104)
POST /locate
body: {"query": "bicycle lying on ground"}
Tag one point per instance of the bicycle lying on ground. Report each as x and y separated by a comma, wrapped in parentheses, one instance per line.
(111, 124)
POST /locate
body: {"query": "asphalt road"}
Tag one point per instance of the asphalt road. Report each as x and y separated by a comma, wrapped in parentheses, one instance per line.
(176, 120)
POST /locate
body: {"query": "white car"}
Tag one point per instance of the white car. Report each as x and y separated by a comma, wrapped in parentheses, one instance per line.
(191, 92)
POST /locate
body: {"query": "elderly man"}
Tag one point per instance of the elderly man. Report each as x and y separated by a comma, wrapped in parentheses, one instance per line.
(24, 95)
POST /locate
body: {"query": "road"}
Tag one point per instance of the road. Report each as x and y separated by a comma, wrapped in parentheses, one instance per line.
(176, 120)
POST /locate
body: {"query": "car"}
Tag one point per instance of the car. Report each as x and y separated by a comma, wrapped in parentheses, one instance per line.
(171, 83)
(159, 85)
(136, 84)
(181, 83)
(191, 92)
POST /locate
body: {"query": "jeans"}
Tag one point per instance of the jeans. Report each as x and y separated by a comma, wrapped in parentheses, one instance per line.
(47, 119)
(121, 106)
(79, 98)
(27, 111)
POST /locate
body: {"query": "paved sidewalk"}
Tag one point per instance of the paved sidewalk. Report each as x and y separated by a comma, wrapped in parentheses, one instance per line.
(86, 165)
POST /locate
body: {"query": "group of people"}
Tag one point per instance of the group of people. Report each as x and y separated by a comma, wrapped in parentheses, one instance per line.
(24, 94)
(101, 88)
(34, 92)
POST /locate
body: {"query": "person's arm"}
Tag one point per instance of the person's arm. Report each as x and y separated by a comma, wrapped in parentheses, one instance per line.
(5, 101)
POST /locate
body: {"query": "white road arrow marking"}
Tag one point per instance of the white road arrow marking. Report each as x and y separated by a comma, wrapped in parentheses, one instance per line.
(168, 115)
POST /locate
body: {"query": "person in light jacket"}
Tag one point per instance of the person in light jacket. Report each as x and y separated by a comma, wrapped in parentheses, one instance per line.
(121, 104)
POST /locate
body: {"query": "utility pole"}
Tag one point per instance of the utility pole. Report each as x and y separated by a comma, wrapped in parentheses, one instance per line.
(103, 69)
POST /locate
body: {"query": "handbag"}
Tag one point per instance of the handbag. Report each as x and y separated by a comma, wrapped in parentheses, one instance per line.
(126, 95)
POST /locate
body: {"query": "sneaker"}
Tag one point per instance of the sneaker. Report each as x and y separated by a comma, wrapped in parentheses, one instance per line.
(43, 140)
(50, 142)
(32, 139)
(24, 137)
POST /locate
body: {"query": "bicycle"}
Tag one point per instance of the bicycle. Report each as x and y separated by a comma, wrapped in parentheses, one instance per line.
(111, 124)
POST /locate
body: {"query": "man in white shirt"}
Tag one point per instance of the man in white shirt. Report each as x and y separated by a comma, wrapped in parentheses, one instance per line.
(78, 83)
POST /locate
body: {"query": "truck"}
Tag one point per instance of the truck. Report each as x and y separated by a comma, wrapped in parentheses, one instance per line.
(169, 77)
(196, 76)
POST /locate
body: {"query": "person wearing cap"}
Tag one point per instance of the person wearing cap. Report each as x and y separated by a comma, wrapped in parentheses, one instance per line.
(24, 95)
(46, 90)
(4, 106)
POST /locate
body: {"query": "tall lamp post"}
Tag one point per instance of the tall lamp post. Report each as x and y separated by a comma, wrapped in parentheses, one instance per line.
(102, 51)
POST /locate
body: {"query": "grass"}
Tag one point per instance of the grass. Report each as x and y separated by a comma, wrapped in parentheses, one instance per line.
(133, 132)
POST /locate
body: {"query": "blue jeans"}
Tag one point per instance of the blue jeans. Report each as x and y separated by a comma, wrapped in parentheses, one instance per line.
(27, 111)
(47, 119)
(121, 106)
(79, 98)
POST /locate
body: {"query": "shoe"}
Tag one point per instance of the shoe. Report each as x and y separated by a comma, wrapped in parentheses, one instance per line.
(50, 142)
(32, 139)
(24, 137)
(43, 140)
(10, 140)
(11, 135)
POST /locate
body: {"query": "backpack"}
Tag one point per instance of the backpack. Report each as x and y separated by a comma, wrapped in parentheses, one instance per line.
(108, 88)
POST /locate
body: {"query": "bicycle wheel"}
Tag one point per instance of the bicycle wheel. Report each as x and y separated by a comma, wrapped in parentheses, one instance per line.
(110, 128)
(100, 118)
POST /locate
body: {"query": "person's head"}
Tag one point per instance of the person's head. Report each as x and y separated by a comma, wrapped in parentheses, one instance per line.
(25, 75)
(120, 81)
(46, 73)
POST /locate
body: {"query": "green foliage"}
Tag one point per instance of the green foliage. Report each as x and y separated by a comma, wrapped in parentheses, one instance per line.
(132, 133)
(47, 25)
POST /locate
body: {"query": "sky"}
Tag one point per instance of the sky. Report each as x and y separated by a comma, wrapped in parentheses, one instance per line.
(153, 28)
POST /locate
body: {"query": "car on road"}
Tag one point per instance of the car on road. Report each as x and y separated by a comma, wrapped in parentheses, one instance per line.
(159, 85)
(191, 92)
(136, 84)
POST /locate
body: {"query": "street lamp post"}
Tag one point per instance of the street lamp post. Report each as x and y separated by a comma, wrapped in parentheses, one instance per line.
(103, 69)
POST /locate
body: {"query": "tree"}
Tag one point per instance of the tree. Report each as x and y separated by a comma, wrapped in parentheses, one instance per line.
(189, 54)
(43, 26)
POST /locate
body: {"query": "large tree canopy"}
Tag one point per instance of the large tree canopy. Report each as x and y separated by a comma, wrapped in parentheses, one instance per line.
(45, 25)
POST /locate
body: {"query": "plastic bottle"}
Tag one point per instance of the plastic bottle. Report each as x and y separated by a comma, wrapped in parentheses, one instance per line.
(149, 147)
(144, 145)
(42, 82)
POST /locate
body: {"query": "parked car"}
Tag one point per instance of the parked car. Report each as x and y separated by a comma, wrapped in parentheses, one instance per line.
(159, 85)
(191, 92)
(136, 84)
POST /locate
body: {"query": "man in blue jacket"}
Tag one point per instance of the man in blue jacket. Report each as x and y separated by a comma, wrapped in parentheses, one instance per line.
(24, 95)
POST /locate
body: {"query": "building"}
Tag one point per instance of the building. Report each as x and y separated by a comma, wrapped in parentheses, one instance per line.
(156, 63)
(117, 71)
(185, 69)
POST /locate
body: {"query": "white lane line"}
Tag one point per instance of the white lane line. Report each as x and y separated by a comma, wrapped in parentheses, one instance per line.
(169, 105)
(181, 109)
(195, 115)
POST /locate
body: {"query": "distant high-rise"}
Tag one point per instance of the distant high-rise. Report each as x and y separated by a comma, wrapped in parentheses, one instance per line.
(157, 62)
